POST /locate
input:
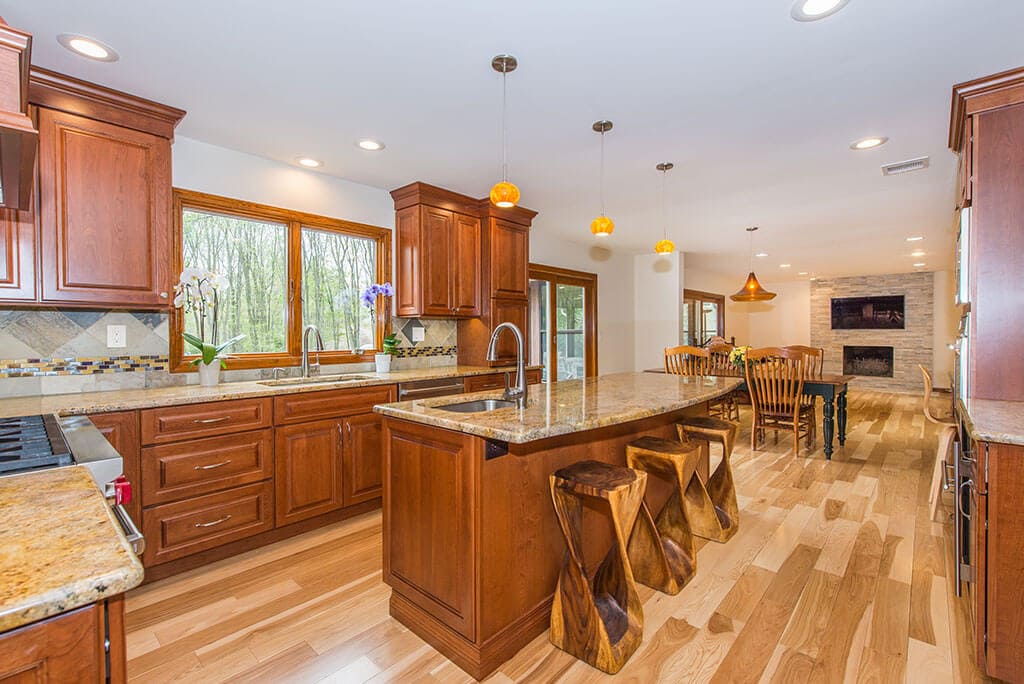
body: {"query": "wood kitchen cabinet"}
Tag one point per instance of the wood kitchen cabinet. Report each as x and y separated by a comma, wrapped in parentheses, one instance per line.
(438, 253)
(308, 470)
(121, 429)
(64, 648)
(17, 255)
(362, 451)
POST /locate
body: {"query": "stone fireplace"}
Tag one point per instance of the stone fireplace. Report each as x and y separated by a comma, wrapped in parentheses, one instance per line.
(871, 360)
(910, 346)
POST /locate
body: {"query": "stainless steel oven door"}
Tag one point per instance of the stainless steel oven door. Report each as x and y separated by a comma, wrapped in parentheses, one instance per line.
(964, 483)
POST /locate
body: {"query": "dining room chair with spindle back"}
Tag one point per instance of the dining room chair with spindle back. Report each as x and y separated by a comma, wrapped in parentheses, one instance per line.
(815, 363)
(775, 377)
(686, 360)
(727, 406)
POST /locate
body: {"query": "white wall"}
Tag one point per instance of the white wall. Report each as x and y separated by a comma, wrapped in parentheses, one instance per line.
(783, 320)
(658, 302)
(736, 313)
(946, 320)
(614, 292)
(220, 171)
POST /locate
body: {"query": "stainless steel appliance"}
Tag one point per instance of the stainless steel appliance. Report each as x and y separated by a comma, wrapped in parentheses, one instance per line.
(30, 443)
(435, 387)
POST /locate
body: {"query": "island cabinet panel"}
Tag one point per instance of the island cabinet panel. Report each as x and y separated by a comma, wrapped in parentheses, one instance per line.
(308, 470)
(186, 527)
(17, 255)
(121, 429)
(171, 472)
(66, 648)
(430, 506)
(362, 458)
(175, 423)
(105, 212)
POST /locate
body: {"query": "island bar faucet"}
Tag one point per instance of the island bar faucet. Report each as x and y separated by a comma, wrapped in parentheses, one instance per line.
(309, 369)
(518, 394)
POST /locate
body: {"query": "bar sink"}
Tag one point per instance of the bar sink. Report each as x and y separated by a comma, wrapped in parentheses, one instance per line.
(478, 405)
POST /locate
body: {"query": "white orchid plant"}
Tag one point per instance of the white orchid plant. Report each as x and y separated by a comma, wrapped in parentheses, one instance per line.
(197, 292)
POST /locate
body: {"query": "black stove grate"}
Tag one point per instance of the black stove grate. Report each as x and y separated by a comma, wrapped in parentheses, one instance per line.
(31, 442)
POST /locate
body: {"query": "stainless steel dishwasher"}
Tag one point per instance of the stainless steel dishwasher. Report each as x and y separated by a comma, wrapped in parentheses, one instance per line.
(435, 387)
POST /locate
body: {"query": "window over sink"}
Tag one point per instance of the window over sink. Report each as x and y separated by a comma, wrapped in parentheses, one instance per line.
(286, 269)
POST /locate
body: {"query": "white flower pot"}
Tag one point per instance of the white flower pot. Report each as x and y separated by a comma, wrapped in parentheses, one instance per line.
(383, 362)
(209, 375)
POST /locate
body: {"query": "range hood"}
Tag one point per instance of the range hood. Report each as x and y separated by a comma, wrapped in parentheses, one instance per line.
(19, 140)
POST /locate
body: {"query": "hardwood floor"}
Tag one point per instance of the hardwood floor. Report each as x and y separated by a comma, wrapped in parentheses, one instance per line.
(836, 574)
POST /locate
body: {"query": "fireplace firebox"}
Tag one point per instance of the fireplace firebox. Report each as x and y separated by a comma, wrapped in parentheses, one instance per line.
(867, 360)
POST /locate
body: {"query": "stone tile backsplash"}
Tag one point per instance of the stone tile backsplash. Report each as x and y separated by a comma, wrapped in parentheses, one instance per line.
(50, 351)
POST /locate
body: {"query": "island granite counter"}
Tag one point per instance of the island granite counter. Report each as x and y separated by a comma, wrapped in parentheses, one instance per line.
(472, 547)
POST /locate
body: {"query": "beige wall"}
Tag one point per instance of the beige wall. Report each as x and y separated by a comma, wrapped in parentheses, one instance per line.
(783, 320)
(945, 322)
(658, 301)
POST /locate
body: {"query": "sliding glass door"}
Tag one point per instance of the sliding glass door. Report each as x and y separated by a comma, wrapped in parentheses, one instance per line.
(703, 317)
(563, 322)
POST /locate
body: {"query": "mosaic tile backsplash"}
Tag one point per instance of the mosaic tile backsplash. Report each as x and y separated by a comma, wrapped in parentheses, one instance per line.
(50, 351)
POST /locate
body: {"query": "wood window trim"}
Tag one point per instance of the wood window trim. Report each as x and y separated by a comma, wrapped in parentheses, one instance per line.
(588, 281)
(701, 295)
(294, 221)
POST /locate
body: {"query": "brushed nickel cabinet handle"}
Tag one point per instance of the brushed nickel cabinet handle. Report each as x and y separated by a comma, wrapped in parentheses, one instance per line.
(163, 295)
(215, 522)
(207, 421)
(212, 465)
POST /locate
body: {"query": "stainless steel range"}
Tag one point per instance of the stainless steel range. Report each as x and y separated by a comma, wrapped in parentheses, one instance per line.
(31, 443)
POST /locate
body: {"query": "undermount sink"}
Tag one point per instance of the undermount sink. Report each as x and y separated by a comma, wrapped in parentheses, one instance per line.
(316, 379)
(478, 405)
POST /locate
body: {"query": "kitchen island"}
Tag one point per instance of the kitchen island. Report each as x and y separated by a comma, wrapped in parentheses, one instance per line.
(472, 547)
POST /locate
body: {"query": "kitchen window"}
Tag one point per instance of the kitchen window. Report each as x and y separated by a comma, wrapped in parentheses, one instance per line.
(286, 270)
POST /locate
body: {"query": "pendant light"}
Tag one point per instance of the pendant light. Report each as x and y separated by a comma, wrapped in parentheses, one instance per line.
(504, 194)
(752, 290)
(602, 226)
(664, 245)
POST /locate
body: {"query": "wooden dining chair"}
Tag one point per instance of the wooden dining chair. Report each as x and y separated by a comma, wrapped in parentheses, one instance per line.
(726, 407)
(685, 360)
(947, 436)
(775, 378)
(815, 358)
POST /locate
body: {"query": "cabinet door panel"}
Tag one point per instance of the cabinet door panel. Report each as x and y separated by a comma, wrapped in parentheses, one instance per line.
(66, 648)
(121, 429)
(363, 459)
(17, 255)
(510, 250)
(307, 470)
(466, 266)
(104, 212)
(408, 290)
(437, 225)
(507, 310)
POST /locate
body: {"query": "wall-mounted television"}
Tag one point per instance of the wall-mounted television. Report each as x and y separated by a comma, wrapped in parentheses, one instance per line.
(858, 313)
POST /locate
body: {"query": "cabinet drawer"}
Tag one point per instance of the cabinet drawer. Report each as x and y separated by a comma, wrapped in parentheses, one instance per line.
(186, 527)
(534, 377)
(171, 472)
(479, 383)
(175, 423)
(296, 408)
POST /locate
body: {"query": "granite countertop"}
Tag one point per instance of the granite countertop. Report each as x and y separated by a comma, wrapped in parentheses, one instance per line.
(60, 546)
(568, 406)
(989, 420)
(125, 400)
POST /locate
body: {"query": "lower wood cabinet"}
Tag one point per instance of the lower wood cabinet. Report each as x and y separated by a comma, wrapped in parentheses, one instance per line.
(490, 381)
(121, 428)
(308, 470)
(362, 459)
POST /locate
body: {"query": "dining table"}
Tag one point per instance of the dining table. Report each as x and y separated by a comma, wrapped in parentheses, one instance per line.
(832, 390)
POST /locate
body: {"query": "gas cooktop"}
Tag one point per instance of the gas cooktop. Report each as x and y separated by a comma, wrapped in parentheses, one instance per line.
(30, 443)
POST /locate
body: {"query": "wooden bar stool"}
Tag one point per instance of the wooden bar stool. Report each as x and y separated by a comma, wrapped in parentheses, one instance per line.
(711, 507)
(599, 622)
(661, 548)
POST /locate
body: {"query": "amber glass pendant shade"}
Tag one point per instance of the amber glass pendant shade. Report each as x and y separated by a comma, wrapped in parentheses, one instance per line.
(752, 291)
(664, 247)
(602, 226)
(504, 195)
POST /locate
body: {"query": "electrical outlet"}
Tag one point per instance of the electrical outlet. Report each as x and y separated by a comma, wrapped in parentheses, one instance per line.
(117, 337)
(418, 333)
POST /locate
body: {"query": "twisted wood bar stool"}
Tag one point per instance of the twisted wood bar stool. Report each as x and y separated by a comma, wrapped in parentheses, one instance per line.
(599, 622)
(661, 549)
(711, 507)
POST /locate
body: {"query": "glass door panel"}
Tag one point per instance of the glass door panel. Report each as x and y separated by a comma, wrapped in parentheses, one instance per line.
(709, 321)
(540, 330)
(569, 348)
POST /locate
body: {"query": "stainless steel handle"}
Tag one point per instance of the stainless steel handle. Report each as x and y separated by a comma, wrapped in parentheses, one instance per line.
(959, 498)
(131, 531)
(207, 421)
(212, 465)
(215, 522)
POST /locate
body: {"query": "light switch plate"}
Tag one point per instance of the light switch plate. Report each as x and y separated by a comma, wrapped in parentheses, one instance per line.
(117, 336)
(418, 333)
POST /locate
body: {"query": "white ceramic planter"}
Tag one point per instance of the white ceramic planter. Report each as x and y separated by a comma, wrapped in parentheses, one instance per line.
(382, 362)
(209, 375)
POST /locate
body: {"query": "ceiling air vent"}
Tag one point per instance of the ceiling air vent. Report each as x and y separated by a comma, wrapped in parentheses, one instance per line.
(905, 166)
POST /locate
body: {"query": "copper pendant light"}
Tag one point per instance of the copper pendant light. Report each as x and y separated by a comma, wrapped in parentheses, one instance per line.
(504, 193)
(752, 290)
(664, 245)
(602, 226)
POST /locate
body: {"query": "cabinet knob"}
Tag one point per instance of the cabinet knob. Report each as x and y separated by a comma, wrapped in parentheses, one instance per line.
(163, 295)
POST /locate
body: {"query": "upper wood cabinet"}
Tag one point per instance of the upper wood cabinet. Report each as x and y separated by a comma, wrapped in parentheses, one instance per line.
(437, 269)
(17, 255)
(510, 247)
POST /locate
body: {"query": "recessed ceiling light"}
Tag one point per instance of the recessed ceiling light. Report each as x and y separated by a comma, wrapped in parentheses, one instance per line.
(917, 253)
(761, 254)
(920, 265)
(88, 47)
(802, 273)
(916, 238)
(813, 278)
(370, 144)
(785, 265)
(309, 162)
(812, 10)
(869, 143)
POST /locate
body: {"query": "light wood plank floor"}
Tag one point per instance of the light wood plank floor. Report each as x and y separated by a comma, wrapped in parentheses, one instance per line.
(836, 574)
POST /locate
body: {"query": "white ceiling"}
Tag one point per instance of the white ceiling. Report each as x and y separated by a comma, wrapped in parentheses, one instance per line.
(756, 110)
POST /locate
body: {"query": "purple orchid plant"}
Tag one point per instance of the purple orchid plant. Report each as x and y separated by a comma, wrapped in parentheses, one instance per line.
(389, 344)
